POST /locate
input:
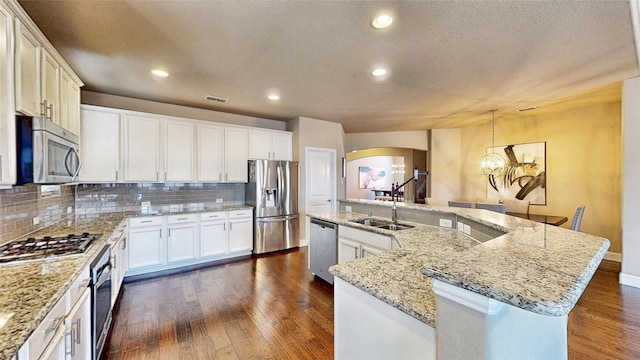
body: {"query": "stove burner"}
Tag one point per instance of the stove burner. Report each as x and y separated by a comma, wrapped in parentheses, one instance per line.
(46, 247)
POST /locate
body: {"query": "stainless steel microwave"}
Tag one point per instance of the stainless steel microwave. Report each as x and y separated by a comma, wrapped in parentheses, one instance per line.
(46, 153)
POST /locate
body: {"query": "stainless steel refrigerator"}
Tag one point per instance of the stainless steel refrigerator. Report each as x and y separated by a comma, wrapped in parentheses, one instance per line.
(273, 192)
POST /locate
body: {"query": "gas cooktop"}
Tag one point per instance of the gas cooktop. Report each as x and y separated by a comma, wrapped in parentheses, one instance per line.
(46, 247)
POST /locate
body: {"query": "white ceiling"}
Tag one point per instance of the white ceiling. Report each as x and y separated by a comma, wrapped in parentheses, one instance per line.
(449, 62)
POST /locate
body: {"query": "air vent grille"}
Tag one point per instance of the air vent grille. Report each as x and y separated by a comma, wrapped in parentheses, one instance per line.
(217, 98)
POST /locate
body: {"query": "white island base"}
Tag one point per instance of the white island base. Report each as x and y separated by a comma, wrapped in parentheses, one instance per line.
(469, 326)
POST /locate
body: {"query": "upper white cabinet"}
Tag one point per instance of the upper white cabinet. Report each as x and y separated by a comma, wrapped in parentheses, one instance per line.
(7, 119)
(49, 87)
(44, 84)
(210, 144)
(179, 151)
(100, 145)
(235, 154)
(27, 89)
(141, 148)
(270, 145)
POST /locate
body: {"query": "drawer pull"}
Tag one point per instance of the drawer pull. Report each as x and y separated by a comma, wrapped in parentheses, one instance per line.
(84, 284)
(238, 214)
(146, 221)
(56, 324)
(183, 218)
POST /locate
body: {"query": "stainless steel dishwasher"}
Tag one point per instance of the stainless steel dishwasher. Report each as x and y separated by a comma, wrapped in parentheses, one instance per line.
(323, 249)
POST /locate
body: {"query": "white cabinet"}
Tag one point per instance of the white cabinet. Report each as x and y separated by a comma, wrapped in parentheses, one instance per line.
(355, 244)
(271, 145)
(45, 341)
(119, 265)
(235, 154)
(78, 323)
(145, 241)
(179, 151)
(100, 145)
(240, 231)
(182, 237)
(141, 148)
(213, 234)
(69, 112)
(210, 153)
(50, 86)
(27, 88)
(7, 116)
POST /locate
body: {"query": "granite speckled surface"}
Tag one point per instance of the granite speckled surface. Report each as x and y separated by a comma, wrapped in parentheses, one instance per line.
(31, 289)
(536, 267)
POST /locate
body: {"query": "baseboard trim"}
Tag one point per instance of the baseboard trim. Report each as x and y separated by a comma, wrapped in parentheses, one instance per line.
(613, 256)
(630, 280)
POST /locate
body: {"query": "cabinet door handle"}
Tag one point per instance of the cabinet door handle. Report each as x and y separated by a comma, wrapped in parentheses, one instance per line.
(230, 226)
(114, 260)
(355, 250)
(78, 331)
(220, 176)
(50, 108)
(124, 243)
(116, 175)
(43, 108)
(56, 324)
(157, 176)
(224, 227)
(169, 233)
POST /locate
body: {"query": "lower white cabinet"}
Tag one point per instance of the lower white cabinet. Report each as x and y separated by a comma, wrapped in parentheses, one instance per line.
(166, 242)
(65, 332)
(182, 237)
(119, 264)
(355, 244)
(146, 244)
(78, 323)
(214, 240)
(241, 231)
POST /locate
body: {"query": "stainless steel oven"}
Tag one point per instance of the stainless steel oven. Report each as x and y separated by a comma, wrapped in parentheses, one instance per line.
(46, 153)
(101, 300)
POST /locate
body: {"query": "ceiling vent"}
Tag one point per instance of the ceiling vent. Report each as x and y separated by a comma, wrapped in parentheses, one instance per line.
(217, 98)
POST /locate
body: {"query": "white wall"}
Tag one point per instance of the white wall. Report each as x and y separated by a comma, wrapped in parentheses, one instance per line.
(401, 139)
(630, 274)
(446, 165)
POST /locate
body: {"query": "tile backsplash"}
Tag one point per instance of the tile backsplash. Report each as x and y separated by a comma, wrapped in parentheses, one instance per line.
(169, 197)
(20, 204)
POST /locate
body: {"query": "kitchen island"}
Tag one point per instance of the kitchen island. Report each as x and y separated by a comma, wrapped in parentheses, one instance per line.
(530, 274)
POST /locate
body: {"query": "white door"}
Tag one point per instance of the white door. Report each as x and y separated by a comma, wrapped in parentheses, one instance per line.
(213, 238)
(141, 149)
(100, 146)
(347, 251)
(236, 155)
(26, 63)
(50, 86)
(282, 147)
(320, 180)
(259, 145)
(79, 325)
(241, 235)
(145, 247)
(210, 153)
(179, 151)
(181, 242)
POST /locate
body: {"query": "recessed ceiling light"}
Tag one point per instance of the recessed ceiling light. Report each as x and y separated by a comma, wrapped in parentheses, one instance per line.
(160, 73)
(273, 97)
(382, 21)
(379, 72)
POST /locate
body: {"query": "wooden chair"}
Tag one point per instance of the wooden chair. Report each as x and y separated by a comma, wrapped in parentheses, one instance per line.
(461, 204)
(577, 218)
(499, 208)
(516, 206)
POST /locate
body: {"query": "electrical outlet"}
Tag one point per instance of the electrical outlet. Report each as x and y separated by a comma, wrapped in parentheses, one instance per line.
(146, 203)
(460, 226)
(36, 220)
(218, 200)
(348, 208)
(69, 210)
(446, 223)
(467, 229)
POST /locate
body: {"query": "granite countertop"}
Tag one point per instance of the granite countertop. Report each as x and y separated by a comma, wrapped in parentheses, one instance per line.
(540, 268)
(30, 289)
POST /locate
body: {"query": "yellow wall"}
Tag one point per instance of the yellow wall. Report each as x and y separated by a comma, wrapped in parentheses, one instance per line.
(583, 159)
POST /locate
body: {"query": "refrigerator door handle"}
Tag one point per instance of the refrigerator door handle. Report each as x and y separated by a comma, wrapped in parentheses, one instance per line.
(277, 218)
(280, 199)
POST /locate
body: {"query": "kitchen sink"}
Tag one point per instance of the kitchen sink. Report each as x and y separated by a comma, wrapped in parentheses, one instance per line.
(396, 227)
(371, 222)
(382, 224)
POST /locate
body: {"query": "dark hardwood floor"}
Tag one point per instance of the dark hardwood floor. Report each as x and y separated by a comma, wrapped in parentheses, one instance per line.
(270, 307)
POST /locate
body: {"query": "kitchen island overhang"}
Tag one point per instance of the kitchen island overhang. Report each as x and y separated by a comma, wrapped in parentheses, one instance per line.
(538, 268)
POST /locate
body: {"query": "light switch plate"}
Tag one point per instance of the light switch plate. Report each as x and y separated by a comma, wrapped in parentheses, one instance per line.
(218, 200)
(69, 210)
(36, 220)
(146, 203)
(460, 226)
(348, 208)
(467, 229)
(446, 223)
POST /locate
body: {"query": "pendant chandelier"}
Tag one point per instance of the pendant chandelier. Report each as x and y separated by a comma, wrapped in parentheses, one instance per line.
(493, 164)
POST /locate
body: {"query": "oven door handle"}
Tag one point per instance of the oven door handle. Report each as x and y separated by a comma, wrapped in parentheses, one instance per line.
(105, 268)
